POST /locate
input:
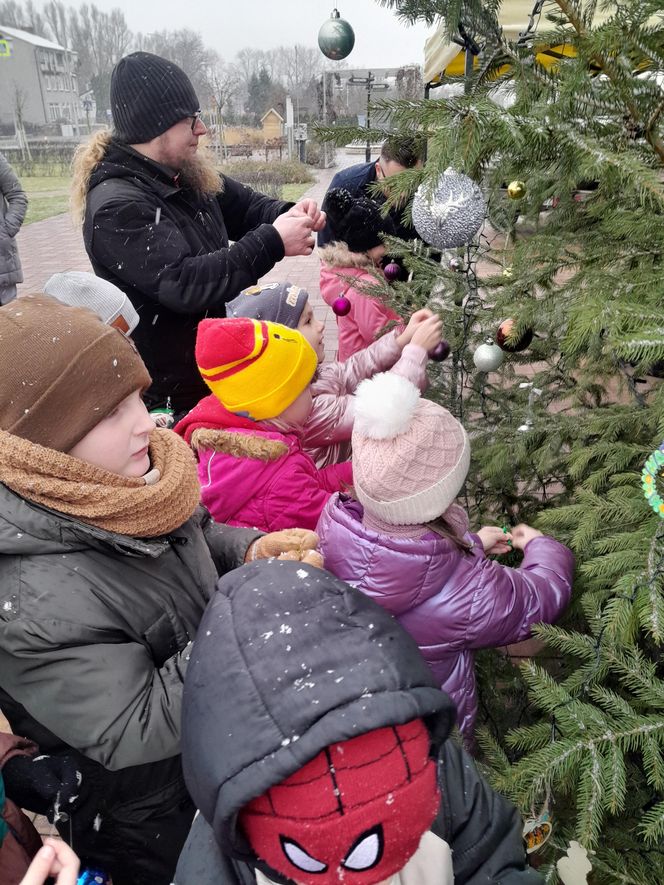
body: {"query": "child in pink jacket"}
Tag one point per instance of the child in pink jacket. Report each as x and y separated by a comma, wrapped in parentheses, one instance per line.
(347, 266)
(327, 432)
(247, 436)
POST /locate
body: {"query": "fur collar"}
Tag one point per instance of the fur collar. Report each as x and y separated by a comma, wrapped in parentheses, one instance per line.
(239, 445)
(339, 255)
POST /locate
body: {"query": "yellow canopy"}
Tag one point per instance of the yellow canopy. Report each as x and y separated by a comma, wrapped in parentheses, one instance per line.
(445, 59)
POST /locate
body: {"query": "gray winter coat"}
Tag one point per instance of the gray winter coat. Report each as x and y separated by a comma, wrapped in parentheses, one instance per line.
(309, 661)
(13, 206)
(96, 630)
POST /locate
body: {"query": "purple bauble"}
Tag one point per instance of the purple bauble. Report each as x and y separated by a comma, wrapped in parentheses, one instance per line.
(341, 306)
(392, 271)
(440, 352)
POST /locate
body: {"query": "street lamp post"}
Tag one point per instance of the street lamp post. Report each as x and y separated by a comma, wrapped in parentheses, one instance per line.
(370, 82)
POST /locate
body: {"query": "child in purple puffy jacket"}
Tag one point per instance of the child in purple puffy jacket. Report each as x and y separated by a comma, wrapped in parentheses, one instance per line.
(405, 543)
(326, 434)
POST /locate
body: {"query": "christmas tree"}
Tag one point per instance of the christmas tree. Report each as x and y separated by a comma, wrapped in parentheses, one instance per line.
(562, 130)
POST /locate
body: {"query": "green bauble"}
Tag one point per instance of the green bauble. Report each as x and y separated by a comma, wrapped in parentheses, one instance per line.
(336, 38)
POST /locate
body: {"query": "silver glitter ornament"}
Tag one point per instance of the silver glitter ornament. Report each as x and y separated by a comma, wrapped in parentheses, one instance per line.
(488, 357)
(451, 214)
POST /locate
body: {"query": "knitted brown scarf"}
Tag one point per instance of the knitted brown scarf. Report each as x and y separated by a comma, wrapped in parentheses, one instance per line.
(141, 507)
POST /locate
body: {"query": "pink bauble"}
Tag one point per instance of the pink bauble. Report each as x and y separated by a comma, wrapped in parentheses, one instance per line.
(440, 352)
(392, 271)
(341, 306)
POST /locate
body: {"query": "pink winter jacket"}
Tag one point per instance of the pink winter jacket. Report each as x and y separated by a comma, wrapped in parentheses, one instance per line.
(367, 316)
(326, 435)
(255, 475)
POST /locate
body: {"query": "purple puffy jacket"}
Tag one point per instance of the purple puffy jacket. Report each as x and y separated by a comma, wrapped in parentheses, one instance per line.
(450, 602)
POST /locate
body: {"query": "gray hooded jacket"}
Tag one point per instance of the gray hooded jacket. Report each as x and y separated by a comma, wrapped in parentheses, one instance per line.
(13, 206)
(309, 661)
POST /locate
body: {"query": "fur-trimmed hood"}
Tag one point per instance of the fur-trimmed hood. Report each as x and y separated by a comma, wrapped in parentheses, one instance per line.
(339, 255)
(258, 447)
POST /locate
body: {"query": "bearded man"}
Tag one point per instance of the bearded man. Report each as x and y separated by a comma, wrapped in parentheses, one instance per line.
(157, 220)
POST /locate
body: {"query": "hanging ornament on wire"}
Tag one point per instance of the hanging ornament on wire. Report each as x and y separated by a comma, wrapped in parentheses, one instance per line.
(516, 190)
(488, 357)
(336, 38)
(450, 215)
(456, 264)
(392, 271)
(505, 340)
(533, 393)
(440, 352)
(341, 306)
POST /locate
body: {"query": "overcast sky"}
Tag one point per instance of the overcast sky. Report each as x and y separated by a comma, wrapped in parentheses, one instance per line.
(381, 40)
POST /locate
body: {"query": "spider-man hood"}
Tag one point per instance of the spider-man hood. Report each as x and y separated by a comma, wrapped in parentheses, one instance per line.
(288, 660)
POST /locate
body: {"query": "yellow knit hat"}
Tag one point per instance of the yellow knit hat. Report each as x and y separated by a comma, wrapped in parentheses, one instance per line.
(254, 368)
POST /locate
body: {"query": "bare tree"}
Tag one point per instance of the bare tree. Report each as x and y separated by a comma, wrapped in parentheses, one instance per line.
(187, 50)
(100, 39)
(57, 15)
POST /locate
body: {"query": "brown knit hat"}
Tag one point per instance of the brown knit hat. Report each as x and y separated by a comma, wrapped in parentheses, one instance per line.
(62, 371)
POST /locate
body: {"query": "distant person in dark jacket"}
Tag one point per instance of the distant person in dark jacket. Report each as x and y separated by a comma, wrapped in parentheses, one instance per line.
(315, 745)
(107, 563)
(396, 155)
(158, 218)
(13, 206)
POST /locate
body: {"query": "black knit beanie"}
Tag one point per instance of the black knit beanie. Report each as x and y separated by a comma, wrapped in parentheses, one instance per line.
(356, 221)
(148, 95)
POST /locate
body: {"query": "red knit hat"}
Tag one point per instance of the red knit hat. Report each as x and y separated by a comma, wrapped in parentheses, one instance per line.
(356, 813)
(254, 368)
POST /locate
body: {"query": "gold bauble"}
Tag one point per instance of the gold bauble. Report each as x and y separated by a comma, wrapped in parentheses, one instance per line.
(516, 190)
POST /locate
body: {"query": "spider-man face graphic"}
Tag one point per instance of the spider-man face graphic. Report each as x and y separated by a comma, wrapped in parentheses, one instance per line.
(354, 814)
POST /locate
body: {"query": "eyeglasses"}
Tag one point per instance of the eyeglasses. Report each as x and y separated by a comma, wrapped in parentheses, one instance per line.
(194, 119)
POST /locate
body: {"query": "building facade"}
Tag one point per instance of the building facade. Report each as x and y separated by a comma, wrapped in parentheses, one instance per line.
(38, 81)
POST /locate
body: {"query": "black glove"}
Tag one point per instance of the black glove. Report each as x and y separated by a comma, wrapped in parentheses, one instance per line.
(48, 785)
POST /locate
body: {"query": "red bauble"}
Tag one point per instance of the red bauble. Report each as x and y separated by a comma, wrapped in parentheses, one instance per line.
(392, 271)
(440, 352)
(341, 306)
(503, 333)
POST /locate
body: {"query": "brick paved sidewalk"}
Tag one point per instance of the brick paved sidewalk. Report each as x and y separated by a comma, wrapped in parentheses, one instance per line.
(56, 244)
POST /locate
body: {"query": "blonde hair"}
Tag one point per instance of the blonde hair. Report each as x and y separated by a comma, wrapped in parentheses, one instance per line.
(198, 173)
(87, 157)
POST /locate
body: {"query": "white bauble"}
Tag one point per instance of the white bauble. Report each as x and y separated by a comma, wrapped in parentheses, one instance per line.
(451, 214)
(488, 357)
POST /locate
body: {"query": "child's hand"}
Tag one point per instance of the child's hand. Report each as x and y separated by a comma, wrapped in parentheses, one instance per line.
(429, 333)
(54, 859)
(523, 534)
(494, 539)
(297, 543)
(416, 319)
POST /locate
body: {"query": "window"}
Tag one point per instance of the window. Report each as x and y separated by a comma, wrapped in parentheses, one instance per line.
(54, 112)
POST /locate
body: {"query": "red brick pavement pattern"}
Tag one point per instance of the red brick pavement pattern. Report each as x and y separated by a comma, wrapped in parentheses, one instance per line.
(57, 245)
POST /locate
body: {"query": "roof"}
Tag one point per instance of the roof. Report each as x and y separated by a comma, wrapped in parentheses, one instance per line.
(27, 37)
(272, 111)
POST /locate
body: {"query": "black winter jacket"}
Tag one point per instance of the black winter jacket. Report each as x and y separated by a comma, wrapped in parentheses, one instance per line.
(96, 631)
(168, 250)
(357, 180)
(309, 661)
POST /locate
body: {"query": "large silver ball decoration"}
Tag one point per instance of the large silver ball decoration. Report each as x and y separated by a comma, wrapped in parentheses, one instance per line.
(451, 214)
(336, 38)
(488, 357)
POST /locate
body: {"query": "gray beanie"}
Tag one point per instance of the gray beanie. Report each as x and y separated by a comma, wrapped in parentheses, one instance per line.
(272, 302)
(80, 289)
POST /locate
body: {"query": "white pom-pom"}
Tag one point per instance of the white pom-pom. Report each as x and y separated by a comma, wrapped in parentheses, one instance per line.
(384, 406)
